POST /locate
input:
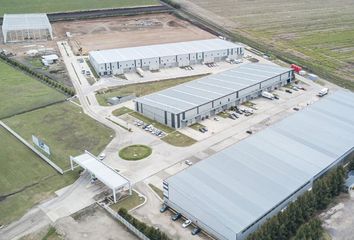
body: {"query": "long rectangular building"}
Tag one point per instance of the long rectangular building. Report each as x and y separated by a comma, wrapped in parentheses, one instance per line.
(188, 103)
(26, 27)
(233, 192)
(154, 57)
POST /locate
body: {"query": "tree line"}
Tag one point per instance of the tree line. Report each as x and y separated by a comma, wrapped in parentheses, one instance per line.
(150, 232)
(298, 216)
(50, 82)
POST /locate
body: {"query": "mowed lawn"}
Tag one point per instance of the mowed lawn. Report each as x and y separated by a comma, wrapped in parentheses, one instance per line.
(19, 92)
(48, 6)
(26, 176)
(65, 129)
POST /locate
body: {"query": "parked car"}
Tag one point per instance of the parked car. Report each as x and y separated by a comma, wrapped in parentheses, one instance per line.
(276, 97)
(176, 217)
(102, 156)
(249, 132)
(288, 91)
(232, 117)
(296, 109)
(216, 119)
(202, 130)
(186, 223)
(196, 230)
(163, 208)
(189, 163)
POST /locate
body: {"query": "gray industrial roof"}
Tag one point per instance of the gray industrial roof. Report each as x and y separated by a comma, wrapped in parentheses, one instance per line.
(235, 187)
(160, 50)
(25, 21)
(198, 92)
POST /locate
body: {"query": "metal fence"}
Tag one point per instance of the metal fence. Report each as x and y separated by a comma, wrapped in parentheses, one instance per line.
(126, 223)
(56, 167)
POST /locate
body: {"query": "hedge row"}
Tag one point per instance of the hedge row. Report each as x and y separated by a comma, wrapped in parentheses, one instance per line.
(50, 82)
(285, 224)
(148, 231)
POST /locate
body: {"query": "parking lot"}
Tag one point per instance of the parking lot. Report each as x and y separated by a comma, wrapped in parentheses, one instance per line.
(262, 108)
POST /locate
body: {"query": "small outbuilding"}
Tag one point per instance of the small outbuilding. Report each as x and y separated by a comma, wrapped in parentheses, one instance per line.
(26, 27)
(50, 59)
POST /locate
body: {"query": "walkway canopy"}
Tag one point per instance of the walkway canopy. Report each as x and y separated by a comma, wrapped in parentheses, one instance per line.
(102, 172)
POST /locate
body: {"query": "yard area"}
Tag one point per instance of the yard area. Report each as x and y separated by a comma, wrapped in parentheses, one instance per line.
(128, 202)
(315, 34)
(20, 92)
(25, 178)
(178, 139)
(49, 6)
(141, 89)
(65, 129)
(120, 111)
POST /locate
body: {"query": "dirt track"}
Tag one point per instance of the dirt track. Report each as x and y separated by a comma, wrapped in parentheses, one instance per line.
(128, 31)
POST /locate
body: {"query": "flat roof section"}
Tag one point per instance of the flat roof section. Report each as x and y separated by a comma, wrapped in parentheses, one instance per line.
(232, 189)
(160, 50)
(104, 173)
(201, 91)
(25, 21)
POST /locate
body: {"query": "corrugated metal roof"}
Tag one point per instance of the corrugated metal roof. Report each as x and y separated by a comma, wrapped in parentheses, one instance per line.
(233, 188)
(25, 21)
(160, 50)
(201, 91)
(103, 172)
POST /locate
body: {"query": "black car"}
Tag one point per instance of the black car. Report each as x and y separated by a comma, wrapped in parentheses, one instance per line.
(196, 230)
(276, 97)
(249, 131)
(163, 208)
(201, 130)
(176, 217)
(288, 91)
(296, 109)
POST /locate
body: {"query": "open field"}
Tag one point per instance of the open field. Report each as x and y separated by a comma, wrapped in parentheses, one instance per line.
(316, 34)
(19, 92)
(25, 178)
(49, 6)
(65, 129)
(141, 89)
(128, 31)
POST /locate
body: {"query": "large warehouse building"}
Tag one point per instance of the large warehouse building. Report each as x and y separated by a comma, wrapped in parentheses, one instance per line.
(26, 27)
(154, 57)
(231, 193)
(193, 101)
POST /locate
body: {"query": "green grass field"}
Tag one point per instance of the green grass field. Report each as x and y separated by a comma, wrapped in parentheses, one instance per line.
(135, 152)
(48, 6)
(141, 89)
(178, 139)
(19, 92)
(24, 172)
(316, 34)
(65, 129)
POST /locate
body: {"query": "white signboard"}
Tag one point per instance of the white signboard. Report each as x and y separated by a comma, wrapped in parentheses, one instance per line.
(40, 144)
